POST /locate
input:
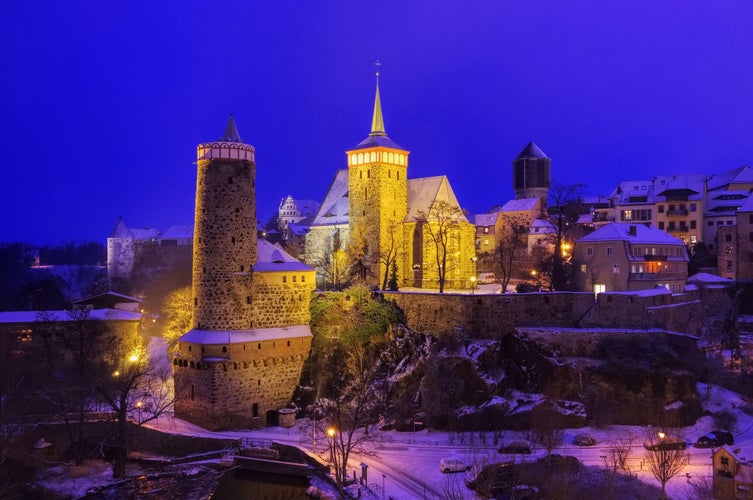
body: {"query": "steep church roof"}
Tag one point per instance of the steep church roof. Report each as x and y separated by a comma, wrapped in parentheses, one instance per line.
(531, 151)
(335, 207)
(425, 191)
(272, 258)
(378, 135)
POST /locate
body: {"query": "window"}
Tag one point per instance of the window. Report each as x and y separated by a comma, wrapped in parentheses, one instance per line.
(589, 251)
(295, 278)
(729, 222)
(719, 222)
(583, 266)
(710, 223)
(303, 279)
(728, 265)
(661, 225)
(693, 238)
(609, 251)
(671, 225)
(692, 224)
(284, 279)
(692, 207)
(486, 229)
(727, 237)
(616, 269)
(661, 209)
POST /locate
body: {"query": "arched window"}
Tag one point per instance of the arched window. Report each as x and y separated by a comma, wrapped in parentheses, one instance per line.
(360, 158)
(373, 156)
(391, 158)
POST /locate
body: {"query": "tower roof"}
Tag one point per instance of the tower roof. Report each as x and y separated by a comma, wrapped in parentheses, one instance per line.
(120, 230)
(531, 151)
(231, 132)
(378, 135)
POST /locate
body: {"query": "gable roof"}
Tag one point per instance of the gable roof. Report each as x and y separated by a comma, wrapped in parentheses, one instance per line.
(178, 231)
(489, 219)
(120, 230)
(520, 205)
(272, 258)
(425, 191)
(739, 175)
(335, 207)
(644, 234)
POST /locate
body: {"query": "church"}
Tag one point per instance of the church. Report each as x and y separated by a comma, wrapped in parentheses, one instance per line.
(414, 229)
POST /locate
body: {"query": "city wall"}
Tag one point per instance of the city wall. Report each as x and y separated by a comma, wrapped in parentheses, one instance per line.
(488, 316)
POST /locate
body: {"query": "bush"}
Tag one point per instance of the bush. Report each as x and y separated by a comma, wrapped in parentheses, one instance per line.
(584, 440)
(725, 419)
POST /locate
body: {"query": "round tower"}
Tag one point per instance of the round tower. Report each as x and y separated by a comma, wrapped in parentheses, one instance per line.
(225, 238)
(530, 174)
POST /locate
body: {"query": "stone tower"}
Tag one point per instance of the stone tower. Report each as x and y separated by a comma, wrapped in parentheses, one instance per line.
(242, 360)
(225, 239)
(378, 195)
(530, 174)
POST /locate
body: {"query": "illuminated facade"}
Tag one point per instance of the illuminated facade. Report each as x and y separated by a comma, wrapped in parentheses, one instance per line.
(375, 212)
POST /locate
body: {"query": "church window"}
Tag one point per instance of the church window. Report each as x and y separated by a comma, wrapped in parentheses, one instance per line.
(360, 174)
(360, 158)
(389, 174)
(366, 193)
(288, 343)
(189, 348)
(398, 175)
(391, 158)
(373, 156)
(195, 301)
(368, 173)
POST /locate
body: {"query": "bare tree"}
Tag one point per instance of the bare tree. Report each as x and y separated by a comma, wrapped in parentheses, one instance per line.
(564, 209)
(440, 223)
(388, 255)
(545, 425)
(619, 451)
(134, 390)
(351, 409)
(666, 457)
(511, 243)
(334, 264)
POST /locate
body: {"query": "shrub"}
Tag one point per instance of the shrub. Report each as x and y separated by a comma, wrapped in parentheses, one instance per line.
(584, 440)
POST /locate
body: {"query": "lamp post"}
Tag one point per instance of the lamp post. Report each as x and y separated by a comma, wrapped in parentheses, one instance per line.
(331, 436)
(473, 285)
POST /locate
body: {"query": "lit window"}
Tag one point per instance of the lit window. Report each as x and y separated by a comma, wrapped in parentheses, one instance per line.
(616, 269)
(583, 268)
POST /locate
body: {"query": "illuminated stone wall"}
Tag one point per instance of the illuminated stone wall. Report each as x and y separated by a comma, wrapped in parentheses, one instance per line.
(225, 247)
(235, 385)
(282, 298)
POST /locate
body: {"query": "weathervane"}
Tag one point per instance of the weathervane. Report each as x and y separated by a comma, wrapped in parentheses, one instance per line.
(377, 64)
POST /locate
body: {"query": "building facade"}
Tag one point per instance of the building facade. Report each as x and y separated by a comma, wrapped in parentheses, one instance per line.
(243, 358)
(629, 257)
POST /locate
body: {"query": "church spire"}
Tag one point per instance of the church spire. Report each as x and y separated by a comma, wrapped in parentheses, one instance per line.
(231, 131)
(377, 121)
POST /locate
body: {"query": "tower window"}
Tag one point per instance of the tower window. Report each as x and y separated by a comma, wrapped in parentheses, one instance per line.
(398, 175)
(368, 173)
(360, 174)
(224, 348)
(229, 180)
(243, 268)
(248, 299)
(284, 279)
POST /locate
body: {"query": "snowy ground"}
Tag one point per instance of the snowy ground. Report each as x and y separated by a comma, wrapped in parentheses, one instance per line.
(407, 464)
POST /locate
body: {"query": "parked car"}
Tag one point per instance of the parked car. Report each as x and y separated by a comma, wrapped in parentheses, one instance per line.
(518, 446)
(453, 465)
(667, 443)
(715, 439)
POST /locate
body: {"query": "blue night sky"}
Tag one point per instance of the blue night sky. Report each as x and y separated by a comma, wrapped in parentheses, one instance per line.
(105, 102)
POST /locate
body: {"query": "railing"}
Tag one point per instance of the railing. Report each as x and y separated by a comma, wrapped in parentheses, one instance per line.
(656, 276)
(677, 213)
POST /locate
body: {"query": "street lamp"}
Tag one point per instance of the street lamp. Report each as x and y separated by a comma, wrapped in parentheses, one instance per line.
(331, 436)
(473, 285)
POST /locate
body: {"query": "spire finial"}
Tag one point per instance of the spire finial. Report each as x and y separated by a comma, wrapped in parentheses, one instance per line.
(377, 121)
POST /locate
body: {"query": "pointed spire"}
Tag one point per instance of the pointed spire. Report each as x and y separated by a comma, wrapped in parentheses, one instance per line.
(231, 132)
(377, 121)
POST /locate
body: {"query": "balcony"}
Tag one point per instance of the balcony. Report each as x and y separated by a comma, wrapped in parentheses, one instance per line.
(681, 212)
(657, 276)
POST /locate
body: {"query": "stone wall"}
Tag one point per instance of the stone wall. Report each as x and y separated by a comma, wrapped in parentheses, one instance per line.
(225, 244)
(235, 385)
(282, 298)
(487, 316)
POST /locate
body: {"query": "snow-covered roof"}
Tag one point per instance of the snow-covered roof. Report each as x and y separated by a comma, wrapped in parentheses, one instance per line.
(486, 219)
(95, 314)
(239, 336)
(425, 191)
(644, 234)
(146, 233)
(521, 205)
(114, 295)
(739, 175)
(689, 184)
(120, 230)
(298, 229)
(708, 278)
(274, 259)
(335, 207)
(634, 189)
(747, 206)
(542, 226)
(178, 231)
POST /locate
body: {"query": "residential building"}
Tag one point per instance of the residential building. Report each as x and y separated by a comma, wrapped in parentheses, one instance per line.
(679, 203)
(733, 475)
(628, 257)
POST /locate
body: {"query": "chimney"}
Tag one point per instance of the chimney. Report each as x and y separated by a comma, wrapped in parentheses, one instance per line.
(632, 231)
